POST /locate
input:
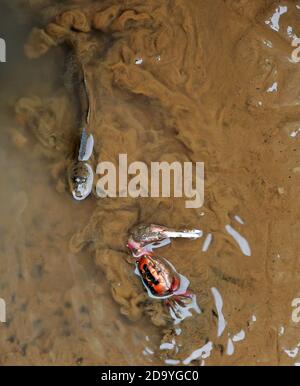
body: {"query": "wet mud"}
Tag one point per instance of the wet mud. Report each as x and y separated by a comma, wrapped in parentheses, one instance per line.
(168, 81)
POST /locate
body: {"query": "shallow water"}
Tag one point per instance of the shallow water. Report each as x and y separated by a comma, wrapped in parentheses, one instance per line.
(169, 81)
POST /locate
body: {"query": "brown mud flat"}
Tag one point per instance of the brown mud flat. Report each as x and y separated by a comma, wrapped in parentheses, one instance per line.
(215, 85)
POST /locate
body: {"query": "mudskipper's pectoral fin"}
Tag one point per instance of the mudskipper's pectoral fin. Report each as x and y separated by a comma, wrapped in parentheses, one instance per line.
(86, 146)
(89, 147)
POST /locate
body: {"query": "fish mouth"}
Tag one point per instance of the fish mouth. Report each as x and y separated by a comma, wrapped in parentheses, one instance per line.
(78, 196)
(81, 193)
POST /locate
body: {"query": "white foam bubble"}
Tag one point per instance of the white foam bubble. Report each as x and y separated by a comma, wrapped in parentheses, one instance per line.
(138, 61)
(207, 242)
(273, 22)
(230, 347)
(242, 242)
(273, 88)
(239, 336)
(239, 220)
(202, 353)
(172, 362)
(219, 306)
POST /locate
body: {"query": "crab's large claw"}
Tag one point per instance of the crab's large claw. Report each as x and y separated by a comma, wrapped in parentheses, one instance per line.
(165, 232)
(145, 238)
(185, 234)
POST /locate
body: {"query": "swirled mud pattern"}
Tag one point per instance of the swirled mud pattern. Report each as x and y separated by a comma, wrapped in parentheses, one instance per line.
(174, 80)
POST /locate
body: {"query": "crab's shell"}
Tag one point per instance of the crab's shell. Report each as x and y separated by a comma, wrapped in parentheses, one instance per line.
(158, 276)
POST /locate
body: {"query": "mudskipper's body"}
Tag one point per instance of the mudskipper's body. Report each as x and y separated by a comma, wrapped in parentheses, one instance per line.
(80, 173)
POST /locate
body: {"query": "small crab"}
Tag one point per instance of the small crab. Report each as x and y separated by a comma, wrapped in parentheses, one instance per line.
(158, 275)
(80, 173)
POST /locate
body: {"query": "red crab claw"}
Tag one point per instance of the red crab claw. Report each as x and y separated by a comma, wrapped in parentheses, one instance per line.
(145, 237)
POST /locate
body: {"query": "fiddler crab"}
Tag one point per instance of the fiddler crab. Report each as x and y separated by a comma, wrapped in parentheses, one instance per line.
(80, 173)
(158, 275)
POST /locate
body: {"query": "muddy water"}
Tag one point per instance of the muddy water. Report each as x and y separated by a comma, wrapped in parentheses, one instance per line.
(169, 81)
